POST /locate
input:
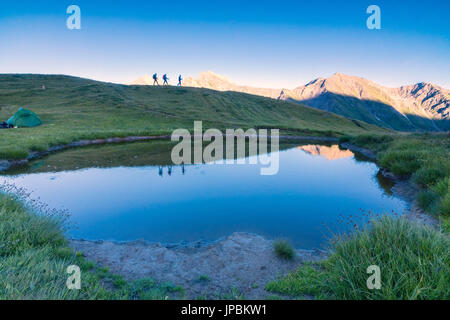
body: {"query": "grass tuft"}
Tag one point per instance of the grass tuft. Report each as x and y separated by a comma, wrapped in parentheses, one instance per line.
(414, 261)
(284, 249)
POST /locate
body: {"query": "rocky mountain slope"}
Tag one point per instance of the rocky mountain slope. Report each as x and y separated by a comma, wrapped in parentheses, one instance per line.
(422, 106)
(213, 81)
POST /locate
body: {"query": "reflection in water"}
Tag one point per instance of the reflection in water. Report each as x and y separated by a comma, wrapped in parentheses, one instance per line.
(137, 154)
(328, 152)
(170, 170)
(385, 183)
(116, 193)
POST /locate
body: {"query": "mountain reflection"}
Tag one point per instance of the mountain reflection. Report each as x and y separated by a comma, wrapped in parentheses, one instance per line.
(328, 152)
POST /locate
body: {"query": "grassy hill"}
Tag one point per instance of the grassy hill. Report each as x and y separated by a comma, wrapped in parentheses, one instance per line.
(74, 108)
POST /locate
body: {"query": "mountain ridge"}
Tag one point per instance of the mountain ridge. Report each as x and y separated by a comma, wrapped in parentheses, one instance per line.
(418, 107)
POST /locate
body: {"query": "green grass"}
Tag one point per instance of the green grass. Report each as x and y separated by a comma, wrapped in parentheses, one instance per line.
(34, 257)
(426, 159)
(373, 139)
(413, 259)
(233, 294)
(73, 109)
(284, 249)
(306, 280)
(204, 278)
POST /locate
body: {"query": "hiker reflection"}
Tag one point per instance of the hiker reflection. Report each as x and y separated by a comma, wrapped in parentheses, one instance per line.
(170, 170)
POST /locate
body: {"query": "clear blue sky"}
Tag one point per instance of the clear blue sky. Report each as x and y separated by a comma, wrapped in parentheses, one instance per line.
(261, 43)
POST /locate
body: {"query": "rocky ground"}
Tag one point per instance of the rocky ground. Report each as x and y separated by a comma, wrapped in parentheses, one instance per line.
(241, 264)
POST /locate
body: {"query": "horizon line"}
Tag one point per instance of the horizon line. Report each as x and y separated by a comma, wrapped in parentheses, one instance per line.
(228, 79)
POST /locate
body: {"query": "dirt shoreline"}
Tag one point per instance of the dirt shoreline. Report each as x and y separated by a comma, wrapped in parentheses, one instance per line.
(242, 263)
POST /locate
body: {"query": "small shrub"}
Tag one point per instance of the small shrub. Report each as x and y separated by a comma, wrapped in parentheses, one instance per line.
(305, 280)
(404, 162)
(13, 154)
(428, 176)
(284, 250)
(119, 281)
(427, 200)
(103, 272)
(234, 294)
(445, 224)
(203, 278)
(445, 205)
(443, 186)
(64, 253)
(86, 265)
(372, 139)
(345, 139)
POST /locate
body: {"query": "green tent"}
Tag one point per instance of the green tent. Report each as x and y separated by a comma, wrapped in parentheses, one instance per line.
(24, 118)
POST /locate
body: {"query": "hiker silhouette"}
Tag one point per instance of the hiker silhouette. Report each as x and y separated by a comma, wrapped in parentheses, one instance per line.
(179, 80)
(165, 79)
(155, 79)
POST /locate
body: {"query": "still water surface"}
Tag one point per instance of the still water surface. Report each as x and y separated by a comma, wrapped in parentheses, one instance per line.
(128, 193)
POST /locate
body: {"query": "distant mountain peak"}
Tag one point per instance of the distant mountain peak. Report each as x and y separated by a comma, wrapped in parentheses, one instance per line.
(144, 80)
(422, 106)
(211, 80)
(210, 74)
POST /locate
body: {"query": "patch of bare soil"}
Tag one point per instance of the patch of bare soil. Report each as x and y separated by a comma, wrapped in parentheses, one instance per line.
(242, 263)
